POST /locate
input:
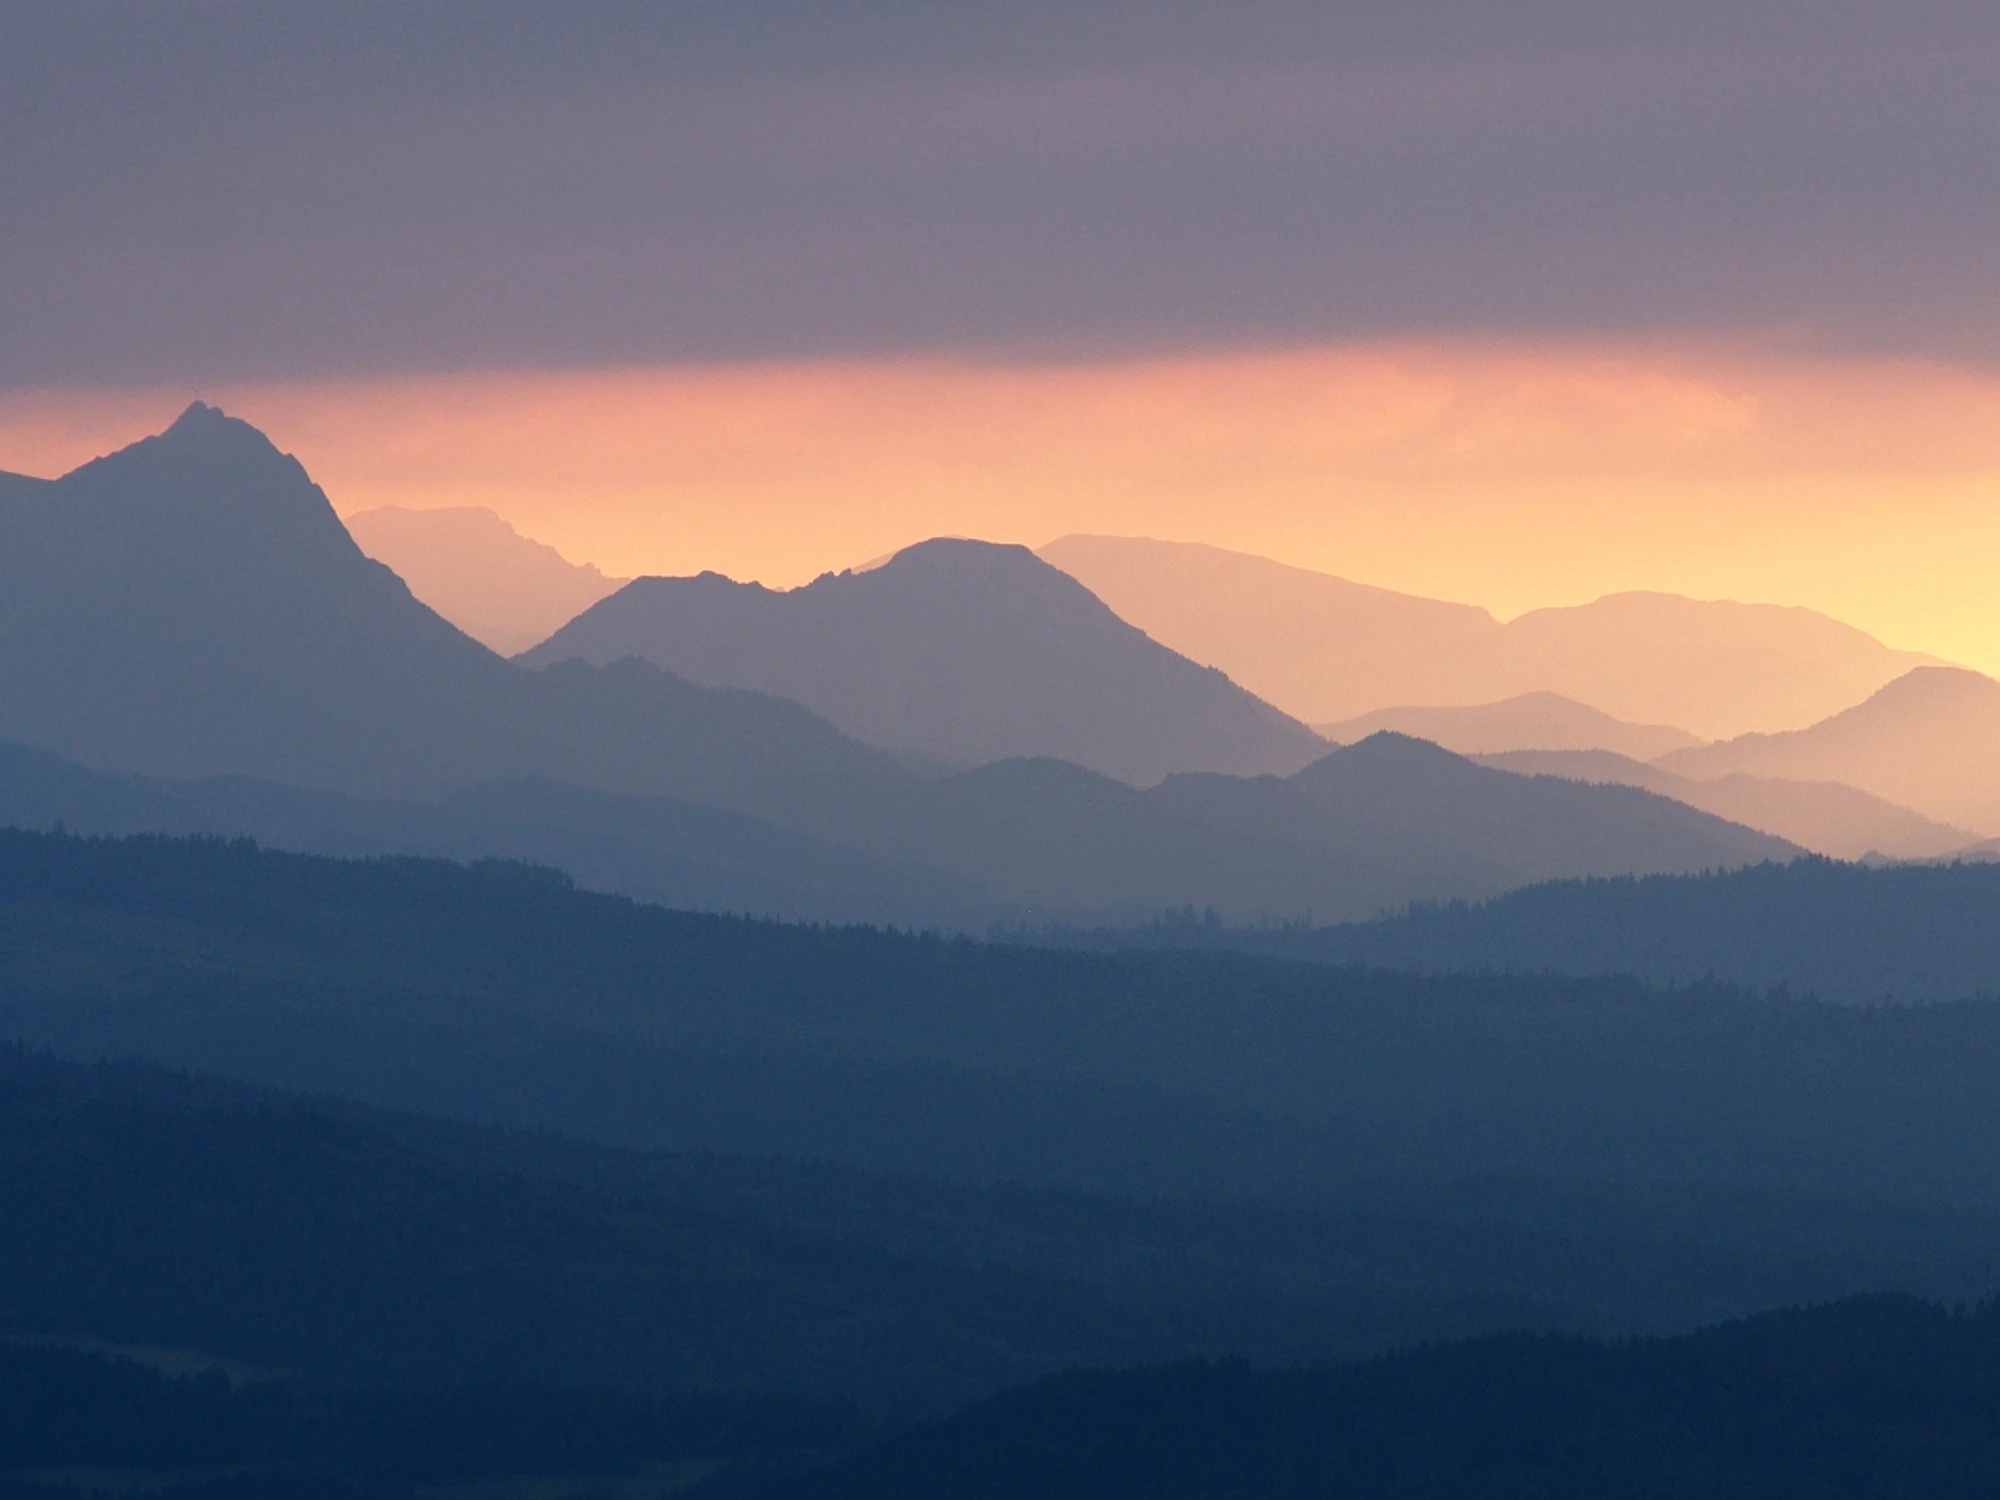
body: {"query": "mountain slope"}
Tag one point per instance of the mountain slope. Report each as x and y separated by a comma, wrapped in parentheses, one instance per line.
(1861, 1400)
(1531, 721)
(1841, 932)
(1929, 740)
(1363, 829)
(1319, 647)
(504, 590)
(191, 605)
(654, 849)
(1431, 825)
(500, 994)
(1015, 841)
(1329, 650)
(1822, 816)
(965, 651)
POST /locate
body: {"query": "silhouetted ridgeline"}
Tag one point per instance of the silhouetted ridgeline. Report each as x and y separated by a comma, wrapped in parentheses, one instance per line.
(133, 1426)
(968, 651)
(1875, 1397)
(408, 1302)
(1328, 650)
(156, 1212)
(323, 1300)
(1363, 830)
(501, 993)
(190, 607)
(1816, 927)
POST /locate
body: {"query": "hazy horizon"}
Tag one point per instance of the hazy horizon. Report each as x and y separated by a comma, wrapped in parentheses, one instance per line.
(1440, 472)
(1515, 309)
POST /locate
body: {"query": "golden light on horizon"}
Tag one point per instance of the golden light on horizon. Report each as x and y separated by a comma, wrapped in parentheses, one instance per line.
(1508, 476)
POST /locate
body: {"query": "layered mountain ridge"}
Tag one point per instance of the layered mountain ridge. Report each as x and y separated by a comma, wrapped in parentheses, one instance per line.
(191, 608)
(1930, 740)
(504, 590)
(1329, 650)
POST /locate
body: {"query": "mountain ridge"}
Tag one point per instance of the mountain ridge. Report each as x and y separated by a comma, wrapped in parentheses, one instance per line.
(968, 651)
(1826, 817)
(505, 590)
(191, 607)
(1925, 741)
(1330, 650)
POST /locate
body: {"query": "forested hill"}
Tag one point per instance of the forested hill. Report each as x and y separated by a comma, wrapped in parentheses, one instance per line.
(1819, 927)
(499, 993)
(1874, 1397)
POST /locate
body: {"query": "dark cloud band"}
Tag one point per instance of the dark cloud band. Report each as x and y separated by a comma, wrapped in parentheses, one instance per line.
(223, 191)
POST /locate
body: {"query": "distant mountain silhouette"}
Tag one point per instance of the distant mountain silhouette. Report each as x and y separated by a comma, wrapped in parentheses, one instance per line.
(962, 650)
(503, 589)
(1929, 741)
(1329, 650)
(1822, 816)
(1035, 841)
(1424, 813)
(191, 606)
(1362, 830)
(654, 849)
(1532, 721)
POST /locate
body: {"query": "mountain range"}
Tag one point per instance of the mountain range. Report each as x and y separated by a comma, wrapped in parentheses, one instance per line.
(504, 590)
(963, 651)
(1329, 651)
(190, 607)
(1025, 841)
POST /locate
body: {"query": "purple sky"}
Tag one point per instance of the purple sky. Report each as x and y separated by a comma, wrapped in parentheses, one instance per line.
(244, 192)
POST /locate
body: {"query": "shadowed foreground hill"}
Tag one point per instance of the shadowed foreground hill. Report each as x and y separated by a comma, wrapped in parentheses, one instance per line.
(502, 994)
(1874, 1397)
(961, 650)
(240, 1294)
(1840, 932)
(317, 1240)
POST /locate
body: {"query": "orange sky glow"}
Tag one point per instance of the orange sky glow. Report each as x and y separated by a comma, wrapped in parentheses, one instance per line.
(1507, 476)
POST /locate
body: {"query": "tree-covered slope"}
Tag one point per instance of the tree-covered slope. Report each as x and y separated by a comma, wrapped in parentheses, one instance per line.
(503, 993)
(1874, 1397)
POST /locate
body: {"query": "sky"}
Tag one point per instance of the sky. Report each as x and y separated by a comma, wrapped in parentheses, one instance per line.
(1516, 304)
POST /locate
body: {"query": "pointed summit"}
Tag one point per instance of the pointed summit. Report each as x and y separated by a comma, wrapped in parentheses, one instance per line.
(191, 606)
(211, 428)
(198, 417)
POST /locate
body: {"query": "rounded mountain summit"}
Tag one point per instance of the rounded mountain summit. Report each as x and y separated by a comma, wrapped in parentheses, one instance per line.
(962, 652)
